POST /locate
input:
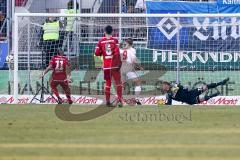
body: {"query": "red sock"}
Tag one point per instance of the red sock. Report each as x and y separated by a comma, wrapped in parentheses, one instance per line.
(108, 90)
(67, 90)
(54, 88)
(118, 83)
(119, 92)
(69, 98)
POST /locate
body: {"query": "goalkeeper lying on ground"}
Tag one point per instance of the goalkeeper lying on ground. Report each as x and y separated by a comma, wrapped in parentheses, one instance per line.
(179, 93)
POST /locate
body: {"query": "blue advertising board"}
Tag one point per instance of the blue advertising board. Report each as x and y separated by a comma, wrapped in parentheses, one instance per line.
(3, 54)
(195, 34)
(228, 2)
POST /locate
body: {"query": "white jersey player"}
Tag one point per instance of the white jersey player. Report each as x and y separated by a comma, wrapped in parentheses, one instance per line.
(129, 63)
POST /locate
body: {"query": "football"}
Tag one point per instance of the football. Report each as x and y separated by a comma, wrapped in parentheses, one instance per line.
(9, 58)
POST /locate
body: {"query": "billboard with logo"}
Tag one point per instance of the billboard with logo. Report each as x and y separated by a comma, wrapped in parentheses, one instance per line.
(88, 100)
(152, 59)
(228, 2)
(195, 34)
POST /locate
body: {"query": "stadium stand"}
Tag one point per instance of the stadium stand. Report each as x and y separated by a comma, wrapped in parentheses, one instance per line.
(106, 9)
(3, 24)
(84, 28)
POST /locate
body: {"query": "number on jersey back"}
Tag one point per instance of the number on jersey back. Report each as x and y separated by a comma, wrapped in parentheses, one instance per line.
(128, 57)
(59, 66)
(108, 48)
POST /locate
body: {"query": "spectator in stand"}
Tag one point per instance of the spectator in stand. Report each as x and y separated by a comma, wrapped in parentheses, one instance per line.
(3, 12)
(131, 8)
(131, 21)
(50, 38)
(69, 23)
(140, 6)
(114, 8)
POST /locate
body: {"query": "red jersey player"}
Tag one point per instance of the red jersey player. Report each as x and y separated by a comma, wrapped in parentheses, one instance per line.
(108, 47)
(60, 76)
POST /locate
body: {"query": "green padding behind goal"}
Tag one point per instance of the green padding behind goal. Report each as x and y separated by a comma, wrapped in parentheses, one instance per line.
(98, 60)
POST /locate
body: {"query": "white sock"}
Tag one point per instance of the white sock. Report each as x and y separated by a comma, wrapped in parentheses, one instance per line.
(137, 90)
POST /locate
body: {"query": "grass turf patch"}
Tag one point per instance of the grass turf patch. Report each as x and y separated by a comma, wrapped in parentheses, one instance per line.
(176, 132)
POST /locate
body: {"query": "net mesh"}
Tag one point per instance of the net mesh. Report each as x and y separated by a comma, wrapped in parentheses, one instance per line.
(205, 50)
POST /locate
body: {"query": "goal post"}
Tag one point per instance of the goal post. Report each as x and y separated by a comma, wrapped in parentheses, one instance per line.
(15, 51)
(193, 49)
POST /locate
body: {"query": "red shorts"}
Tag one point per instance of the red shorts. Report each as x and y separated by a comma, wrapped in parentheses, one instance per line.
(109, 73)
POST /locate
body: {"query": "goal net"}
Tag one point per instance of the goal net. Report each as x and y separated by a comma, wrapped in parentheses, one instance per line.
(189, 49)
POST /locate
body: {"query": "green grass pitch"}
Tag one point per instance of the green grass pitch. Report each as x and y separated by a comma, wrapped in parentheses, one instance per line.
(129, 133)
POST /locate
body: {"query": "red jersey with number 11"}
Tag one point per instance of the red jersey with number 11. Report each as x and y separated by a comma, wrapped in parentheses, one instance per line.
(59, 66)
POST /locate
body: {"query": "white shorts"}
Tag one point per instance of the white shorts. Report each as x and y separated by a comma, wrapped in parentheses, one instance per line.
(129, 76)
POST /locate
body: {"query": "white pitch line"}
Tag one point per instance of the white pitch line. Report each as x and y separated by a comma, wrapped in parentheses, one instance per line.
(113, 158)
(119, 146)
